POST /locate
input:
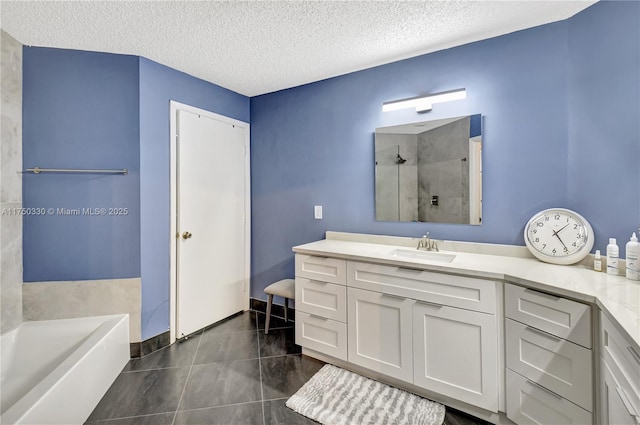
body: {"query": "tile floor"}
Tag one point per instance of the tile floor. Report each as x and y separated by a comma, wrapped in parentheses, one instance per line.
(231, 373)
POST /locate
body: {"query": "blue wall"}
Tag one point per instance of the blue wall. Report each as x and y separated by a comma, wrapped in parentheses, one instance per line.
(80, 110)
(158, 85)
(604, 119)
(313, 145)
(98, 110)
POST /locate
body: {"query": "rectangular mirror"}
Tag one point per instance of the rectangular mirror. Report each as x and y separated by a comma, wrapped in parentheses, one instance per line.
(430, 171)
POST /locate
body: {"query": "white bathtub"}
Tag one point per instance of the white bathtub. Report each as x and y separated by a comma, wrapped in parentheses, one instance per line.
(56, 371)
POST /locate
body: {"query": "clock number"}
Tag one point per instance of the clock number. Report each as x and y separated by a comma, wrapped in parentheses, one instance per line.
(574, 244)
(565, 249)
(554, 250)
(544, 245)
(546, 218)
(540, 224)
(557, 217)
(537, 239)
(575, 227)
(534, 231)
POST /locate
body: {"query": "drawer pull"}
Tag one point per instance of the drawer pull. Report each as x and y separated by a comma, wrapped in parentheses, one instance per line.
(315, 316)
(430, 303)
(542, 294)
(633, 352)
(543, 333)
(394, 296)
(535, 384)
(410, 269)
(627, 403)
(320, 282)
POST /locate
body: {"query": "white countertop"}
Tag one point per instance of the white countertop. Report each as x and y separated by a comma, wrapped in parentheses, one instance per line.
(617, 296)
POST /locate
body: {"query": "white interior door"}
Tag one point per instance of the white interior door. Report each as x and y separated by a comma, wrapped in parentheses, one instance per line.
(211, 215)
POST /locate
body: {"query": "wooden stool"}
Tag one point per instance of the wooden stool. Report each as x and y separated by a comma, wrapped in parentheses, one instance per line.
(285, 288)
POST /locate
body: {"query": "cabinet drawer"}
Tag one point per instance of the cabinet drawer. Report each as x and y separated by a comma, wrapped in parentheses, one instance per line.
(320, 334)
(555, 315)
(528, 403)
(618, 351)
(326, 269)
(321, 298)
(444, 289)
(559, 365)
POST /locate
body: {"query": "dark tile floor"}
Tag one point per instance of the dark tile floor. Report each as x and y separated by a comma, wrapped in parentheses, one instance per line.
(231, 373)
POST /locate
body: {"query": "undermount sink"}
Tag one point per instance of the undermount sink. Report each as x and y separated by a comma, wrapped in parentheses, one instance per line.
(423, 255)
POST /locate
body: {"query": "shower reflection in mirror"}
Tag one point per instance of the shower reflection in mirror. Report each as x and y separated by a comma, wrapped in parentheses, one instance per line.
(421, 162)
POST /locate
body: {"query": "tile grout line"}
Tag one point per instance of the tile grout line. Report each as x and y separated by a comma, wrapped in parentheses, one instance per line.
(264, 420)
(130, 417)
(184, 388)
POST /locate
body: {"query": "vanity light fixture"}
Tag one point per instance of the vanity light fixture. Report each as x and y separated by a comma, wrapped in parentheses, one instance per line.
(424, 103)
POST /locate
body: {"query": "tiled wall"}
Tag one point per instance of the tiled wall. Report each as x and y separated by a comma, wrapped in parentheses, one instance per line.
(396, 184)
(443, 171)
(10, 183)
(82, 298)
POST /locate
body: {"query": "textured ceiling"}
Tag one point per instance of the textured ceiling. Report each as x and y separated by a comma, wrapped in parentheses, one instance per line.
(258, 47)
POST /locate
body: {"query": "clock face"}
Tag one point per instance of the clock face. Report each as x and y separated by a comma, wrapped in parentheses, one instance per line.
(559, 236)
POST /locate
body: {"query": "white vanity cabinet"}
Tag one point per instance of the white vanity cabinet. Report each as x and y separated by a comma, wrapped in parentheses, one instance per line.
(321, 305)
(480, 330)
(549, 358)
(435, 330)
(619, 377)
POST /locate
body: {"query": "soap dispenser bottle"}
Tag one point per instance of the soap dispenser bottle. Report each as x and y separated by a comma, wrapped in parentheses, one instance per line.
(597, 261)
(612, 257)
(633, 265)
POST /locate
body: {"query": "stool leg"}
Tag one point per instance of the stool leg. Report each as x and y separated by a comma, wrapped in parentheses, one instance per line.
(286, 309)
(269, 302)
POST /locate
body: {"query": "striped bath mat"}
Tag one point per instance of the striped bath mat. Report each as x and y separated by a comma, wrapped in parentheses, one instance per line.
(335, 396)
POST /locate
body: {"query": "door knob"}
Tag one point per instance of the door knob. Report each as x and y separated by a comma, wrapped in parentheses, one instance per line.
(186, 235)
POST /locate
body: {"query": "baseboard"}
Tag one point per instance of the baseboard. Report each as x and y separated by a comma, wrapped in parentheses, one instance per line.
(276, 309)
(135, 350)
(148, 346)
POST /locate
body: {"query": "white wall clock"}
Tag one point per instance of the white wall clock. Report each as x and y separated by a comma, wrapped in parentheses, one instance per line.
(559, 236)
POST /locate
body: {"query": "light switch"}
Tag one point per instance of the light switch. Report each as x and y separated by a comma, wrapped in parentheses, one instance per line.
(317, 212)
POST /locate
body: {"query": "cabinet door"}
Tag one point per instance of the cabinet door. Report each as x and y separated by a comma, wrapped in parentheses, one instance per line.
(616, 407)
(620, 351)
(455, 353)
(379, 333)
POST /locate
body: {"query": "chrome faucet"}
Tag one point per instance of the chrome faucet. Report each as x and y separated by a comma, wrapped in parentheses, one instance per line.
(427, 244)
